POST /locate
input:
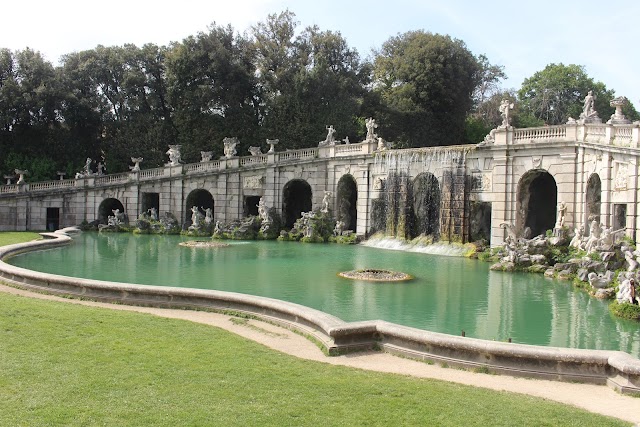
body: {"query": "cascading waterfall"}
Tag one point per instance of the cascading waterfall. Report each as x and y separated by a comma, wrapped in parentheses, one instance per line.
(408, 208)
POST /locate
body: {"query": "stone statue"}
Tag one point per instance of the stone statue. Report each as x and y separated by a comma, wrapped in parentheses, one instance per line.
(562, 210)
(599, 281)
(195, 217)
(101, 168)
(589, 114)
(381, 144)
(337, 231)
(627, 292)
(136, 161)
(21, 173)
(325, 202)
(576, 241)
(153, 213)
(330, 139)
(505, 107)
(205, 156)
(346, 140)
(174, 155)
(208, 216)
(263, 213)
(594, 237)
(9, 178)
(255, 151)
(371, 127)
(272, 144)
(61, 174)
(230, 147)
(87, 167)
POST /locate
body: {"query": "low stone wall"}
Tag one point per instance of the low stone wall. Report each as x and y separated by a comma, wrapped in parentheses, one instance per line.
(617, 369)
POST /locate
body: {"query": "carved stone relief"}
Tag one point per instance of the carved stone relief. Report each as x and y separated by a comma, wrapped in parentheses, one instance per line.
(253, 182)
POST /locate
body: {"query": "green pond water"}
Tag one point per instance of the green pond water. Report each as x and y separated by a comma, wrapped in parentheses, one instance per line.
(448, 294)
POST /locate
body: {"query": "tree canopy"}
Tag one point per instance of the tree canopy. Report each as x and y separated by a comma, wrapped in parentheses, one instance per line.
(274, 81)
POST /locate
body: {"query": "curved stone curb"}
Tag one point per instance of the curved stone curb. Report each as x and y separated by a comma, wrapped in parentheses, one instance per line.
(617, 369)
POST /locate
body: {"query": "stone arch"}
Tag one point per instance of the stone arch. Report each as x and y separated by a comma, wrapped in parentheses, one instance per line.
(426, 205)
(536, 202)
(593, 197)
(200, 198)
(346, 202)
(296, 199)
(107, 207)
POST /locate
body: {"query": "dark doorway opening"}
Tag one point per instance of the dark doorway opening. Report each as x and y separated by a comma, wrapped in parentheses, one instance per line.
(297, 199)
(251, 205)
(53, 219)
(347, 199)
(150, 200)
(536, 204)
(594, 198)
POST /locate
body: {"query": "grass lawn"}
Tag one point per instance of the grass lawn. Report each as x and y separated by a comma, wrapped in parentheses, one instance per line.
(10, 237)
(63, 364)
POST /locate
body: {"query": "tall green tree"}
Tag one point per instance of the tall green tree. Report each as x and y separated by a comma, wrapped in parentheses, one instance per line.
(212, 88)
(557, 93)
(306, 82)
(29, 113)
(426, 83)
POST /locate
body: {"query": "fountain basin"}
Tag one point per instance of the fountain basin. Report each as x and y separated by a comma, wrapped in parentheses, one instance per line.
(376, 275)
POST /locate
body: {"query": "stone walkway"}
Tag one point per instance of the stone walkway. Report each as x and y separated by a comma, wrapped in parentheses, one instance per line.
(594, 398)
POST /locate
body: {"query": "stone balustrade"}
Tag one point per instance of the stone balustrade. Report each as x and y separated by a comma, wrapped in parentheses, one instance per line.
(195, 168)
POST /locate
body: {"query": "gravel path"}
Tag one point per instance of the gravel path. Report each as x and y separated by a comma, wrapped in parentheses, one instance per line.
(594, 398)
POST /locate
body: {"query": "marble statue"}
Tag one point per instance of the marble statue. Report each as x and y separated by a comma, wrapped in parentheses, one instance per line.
(626, 291)
(272, 144)
(346, 140)
(21, 174)
(61, 174)
(175, 157)
(230, 147)
(9, 178)
(195, 217)
(208, 216)
(505, 107)
(263, 213)
(255, 151)
(576, 241)
(205, 156)
(337, 231)
(153, 213)
(594, 237)
(589, 114)
(381, 144)
(630, 258)
(136, 164)
(217, 229)
(87, 167)
(562, 210)
(330, 139)
(325, 202)
(101, 168)
(371, 128)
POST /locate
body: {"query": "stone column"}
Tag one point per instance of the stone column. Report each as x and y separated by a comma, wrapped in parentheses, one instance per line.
(499, 207)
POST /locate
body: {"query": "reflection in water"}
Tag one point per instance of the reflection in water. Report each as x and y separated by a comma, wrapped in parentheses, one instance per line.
(449, 294)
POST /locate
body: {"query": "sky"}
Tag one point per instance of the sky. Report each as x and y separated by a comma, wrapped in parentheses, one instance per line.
(523, 36)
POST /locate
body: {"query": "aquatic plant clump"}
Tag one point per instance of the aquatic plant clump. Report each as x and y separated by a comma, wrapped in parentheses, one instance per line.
(376, 275)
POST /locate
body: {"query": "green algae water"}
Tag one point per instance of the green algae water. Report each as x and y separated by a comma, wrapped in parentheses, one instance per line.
(448, 294)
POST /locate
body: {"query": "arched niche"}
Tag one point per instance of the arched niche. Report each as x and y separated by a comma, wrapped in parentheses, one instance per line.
(346, 202)
(106, 208)
(200, 198)
(296, 199)
(594, 197)
(536, 204)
